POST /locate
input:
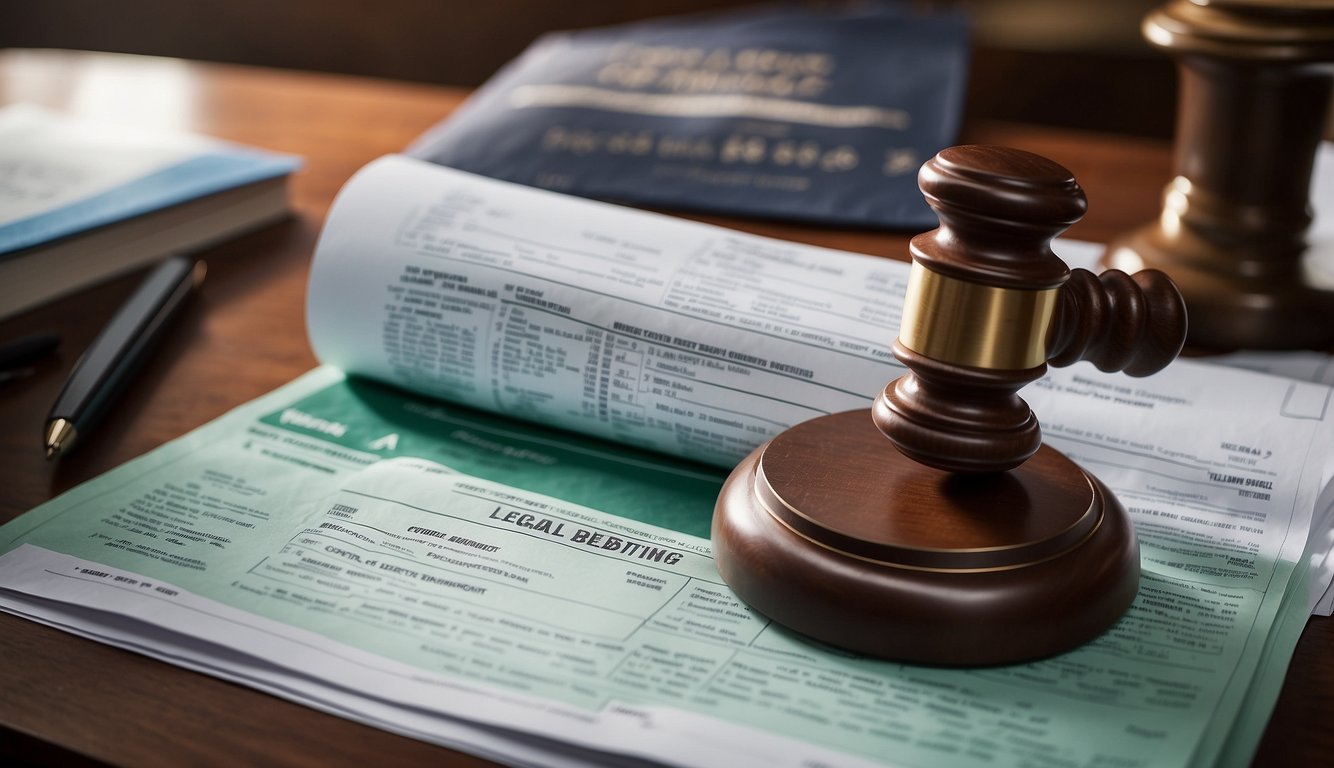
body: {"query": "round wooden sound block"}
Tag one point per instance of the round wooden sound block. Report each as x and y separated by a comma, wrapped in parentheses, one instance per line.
(829, 530)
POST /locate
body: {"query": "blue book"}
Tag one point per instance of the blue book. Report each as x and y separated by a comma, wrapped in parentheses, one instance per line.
(821, 115)
(81, 202)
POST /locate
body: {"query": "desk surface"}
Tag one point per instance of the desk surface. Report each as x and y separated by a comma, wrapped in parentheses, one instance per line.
(70, 701)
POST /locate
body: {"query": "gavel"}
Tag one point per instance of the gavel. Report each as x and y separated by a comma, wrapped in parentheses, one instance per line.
(961, 539)
(990, 306)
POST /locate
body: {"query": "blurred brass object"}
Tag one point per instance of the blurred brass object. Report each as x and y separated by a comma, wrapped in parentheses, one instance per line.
(1255, 83)
(973, 324)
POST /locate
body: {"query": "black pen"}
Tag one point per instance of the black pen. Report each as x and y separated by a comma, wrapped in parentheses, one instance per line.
(115, 354)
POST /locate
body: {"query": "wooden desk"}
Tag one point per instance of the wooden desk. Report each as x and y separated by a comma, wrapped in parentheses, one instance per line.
(70, 701)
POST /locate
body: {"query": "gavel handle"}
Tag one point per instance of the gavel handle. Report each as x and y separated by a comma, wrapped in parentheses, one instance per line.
(1119, 322)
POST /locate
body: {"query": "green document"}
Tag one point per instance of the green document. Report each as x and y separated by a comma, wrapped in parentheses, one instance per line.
(548, 596)
(288, 511)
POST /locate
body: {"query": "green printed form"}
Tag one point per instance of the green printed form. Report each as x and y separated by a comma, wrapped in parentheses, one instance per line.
(285, 510)
(223, 492)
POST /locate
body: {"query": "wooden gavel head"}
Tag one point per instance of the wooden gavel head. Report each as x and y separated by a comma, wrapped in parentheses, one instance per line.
(989, 305)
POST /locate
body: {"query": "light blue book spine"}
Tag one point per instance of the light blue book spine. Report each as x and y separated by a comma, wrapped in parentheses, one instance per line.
(195, 177)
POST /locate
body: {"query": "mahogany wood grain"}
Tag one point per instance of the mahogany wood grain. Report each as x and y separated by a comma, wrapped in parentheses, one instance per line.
(69, 701)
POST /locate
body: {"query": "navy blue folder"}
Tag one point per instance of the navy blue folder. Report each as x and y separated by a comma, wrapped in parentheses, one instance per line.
(784, 112)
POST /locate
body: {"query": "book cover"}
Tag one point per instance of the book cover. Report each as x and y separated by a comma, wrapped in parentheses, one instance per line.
(82, 201)
(813, 114)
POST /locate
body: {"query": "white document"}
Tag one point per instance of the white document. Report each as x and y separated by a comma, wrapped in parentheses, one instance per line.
(691, 340)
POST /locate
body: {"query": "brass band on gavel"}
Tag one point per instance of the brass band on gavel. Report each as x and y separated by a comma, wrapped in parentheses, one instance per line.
(989, 306)
(980, 326)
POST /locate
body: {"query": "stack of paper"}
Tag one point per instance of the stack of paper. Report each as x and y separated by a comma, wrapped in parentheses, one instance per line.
(492, 535)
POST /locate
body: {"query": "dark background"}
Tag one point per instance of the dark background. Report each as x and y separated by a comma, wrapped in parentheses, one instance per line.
(1070, 63)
